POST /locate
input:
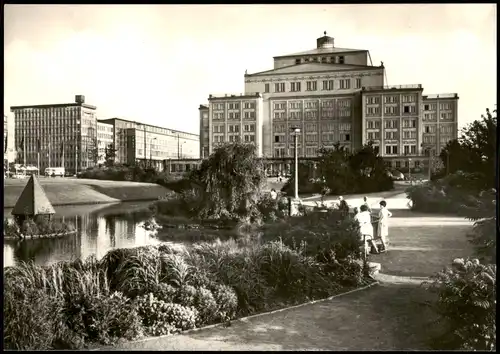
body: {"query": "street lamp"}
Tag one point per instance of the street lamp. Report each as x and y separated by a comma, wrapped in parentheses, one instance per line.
(409, 170)
(296, 132)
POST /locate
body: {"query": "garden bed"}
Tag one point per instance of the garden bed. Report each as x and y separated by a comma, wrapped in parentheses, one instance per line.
(159, 290)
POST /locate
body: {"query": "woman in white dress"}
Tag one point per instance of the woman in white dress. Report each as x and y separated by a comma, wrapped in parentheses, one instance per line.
(383, 223)
(365, 227)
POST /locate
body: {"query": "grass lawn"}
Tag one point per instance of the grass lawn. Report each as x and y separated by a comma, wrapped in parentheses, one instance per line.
(77, 191)
(423, 247)
(384, 317)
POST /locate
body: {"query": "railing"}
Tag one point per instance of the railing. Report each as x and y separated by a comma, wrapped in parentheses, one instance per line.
(392, 87)
(441, 95)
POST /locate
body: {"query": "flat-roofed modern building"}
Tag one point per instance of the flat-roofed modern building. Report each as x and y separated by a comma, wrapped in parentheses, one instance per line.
(105, 140)
(136, 142)
(235, 118)
(439, 121)
(336, 95)
(62, 134)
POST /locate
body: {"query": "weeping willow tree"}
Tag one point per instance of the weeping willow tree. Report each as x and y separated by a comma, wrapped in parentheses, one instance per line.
(229, 183)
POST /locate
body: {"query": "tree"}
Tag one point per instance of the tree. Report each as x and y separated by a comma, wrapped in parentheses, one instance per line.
(333, 167)
(109, 155)
(94, 152)
(475, 150)
(229, 183)
(370, 170)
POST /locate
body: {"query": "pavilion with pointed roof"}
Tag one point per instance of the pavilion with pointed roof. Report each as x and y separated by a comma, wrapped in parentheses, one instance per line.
(32, 203)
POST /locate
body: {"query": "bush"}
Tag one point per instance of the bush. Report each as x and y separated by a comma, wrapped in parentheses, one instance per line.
(467, 304)
(227, 301)
(272, 209)
(103, 319)
(31, 319)
(160, 318)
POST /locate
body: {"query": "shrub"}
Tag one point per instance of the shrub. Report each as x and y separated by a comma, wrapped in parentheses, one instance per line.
(206, 306)
(160, 318)
(272, 209)
(165, 292)
(139, 273)
(467, 304)
(29, 227)
(31, 319)
(227, 301)
(103, 319)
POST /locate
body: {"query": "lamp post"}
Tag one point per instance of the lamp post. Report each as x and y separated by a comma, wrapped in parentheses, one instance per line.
(409, 170)
(296, 132)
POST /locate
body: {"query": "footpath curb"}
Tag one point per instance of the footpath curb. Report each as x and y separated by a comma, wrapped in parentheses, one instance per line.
(245, 319)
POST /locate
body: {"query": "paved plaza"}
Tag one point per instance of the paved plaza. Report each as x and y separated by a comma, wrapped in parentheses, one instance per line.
(393, 315)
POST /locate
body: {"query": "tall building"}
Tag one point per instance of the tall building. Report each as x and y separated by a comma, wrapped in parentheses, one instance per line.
(235, 118)
(440, 121)
(138, 142)
(334, 95)
(105, 140)
(64, 135)
(204, 131)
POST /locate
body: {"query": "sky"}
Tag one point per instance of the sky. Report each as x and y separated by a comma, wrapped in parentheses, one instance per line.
(157, 63)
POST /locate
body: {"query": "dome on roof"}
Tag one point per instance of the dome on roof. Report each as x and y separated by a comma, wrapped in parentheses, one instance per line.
(325, 41)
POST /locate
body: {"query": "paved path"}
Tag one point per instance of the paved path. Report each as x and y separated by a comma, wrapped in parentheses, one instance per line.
(390, 316)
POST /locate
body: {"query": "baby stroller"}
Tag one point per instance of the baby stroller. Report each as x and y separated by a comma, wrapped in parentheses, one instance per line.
(376, 244)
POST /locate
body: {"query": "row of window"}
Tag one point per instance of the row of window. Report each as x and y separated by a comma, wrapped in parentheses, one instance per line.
(442, 116)
(407, 109)
(314, 137)
(233, 128)
(282, 128)
(341, 103)
(375, 100)
(391, 99)
(340, 59)
(233, 115)
(247, 138)
(325, 114)
(326, 85)
(232, 106)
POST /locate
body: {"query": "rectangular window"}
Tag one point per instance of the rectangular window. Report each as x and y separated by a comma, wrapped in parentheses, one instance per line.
(345, 84)
(312, 85)
(394, 150)
(328, 85)
(426, 107)
(295, 87)
(357, 83)
(266, 88)
(279, 87)
(372, 100)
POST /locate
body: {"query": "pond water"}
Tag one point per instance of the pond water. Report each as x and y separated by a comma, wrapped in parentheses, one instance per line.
(100, 229)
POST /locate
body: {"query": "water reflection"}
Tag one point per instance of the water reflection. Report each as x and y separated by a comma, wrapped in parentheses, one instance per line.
(100, 229)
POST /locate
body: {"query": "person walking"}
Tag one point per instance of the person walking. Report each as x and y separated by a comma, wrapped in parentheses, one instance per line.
(364, 220)
(383, 224)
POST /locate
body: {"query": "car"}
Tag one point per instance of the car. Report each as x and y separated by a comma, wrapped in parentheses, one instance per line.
(397, 175)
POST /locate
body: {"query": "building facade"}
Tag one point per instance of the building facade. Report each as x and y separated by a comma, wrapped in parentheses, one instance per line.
(235, 118)
(105, 140)
(336, 95)
(148, 144)
(204, 131)
(61, 135)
